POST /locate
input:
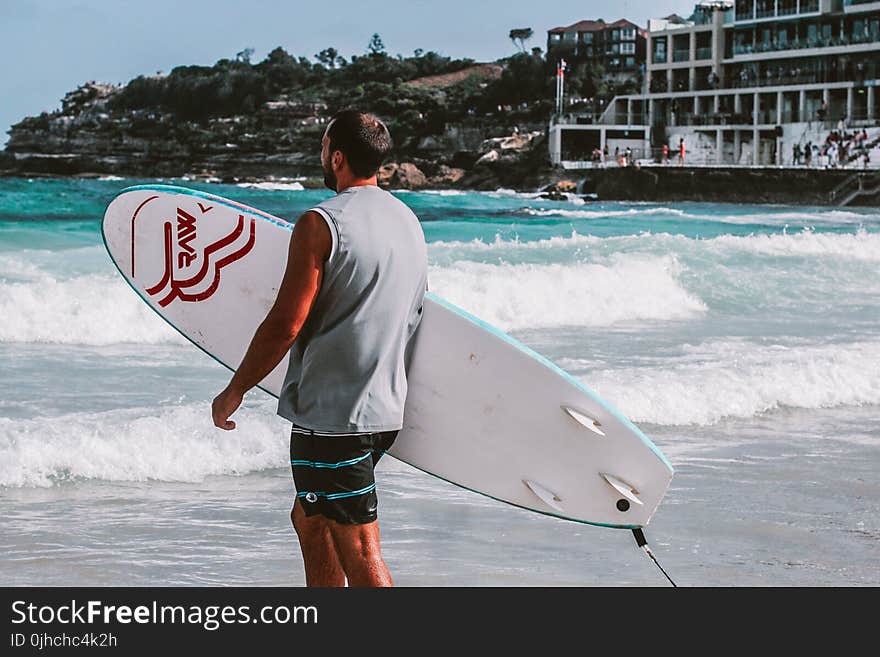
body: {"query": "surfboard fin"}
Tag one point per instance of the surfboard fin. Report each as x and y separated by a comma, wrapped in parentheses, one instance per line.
(623, 488)
(584, 420)
(546, 496)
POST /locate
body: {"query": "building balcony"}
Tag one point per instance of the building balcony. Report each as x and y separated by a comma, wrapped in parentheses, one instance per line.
(847, 40)
(786, 78)
(704, 53)
(681, 55)
(753, 12)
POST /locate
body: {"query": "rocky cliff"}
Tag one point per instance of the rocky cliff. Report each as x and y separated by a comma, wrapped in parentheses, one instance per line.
(280, 138)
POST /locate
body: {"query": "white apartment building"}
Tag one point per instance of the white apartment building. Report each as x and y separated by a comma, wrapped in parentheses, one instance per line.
(741, 82)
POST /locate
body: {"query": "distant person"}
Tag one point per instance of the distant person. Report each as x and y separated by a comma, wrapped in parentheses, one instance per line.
(808, 153)
(628, 156)
(796, 154)
(681, 151)
(346, 312)
(665, 158)
(822, 111)
(605, 154)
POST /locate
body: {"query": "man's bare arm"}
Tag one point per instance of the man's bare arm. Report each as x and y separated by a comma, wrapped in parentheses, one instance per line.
(309, 248)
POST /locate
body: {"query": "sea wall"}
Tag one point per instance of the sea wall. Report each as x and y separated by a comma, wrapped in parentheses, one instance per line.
(799, 186)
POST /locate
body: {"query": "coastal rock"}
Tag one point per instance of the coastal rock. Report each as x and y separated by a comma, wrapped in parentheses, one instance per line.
(446, 177)
(491, 156)
(514, 142)
(563, 186)
(95, 133)
(405, 175)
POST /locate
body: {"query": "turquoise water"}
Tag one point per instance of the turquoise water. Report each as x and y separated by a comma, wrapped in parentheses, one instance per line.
(744, 340)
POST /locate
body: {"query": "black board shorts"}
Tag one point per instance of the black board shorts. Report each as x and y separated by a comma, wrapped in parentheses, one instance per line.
(333, 474)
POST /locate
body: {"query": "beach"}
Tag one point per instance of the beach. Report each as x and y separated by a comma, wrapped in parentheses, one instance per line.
(742, 339)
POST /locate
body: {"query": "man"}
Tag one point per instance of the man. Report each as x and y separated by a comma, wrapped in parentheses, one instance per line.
(681, 151)
(347, 311)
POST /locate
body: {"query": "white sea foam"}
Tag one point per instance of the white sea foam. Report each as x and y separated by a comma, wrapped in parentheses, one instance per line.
(529, 296)
(436, 192)
(737, 378)
(602, 214)
(75, 298)
(168, 444)
(858, 245)
(111, 178)
(275, 186)
(94, 309)
(773, 218)
(498, 244)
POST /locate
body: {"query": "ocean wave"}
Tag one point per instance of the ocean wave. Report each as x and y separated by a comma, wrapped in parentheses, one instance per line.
(169, 444)
(95, 309)
(537, 296)
(433, 192)
(860, 245)
(274, 186)
(602, 214)
(857, 245)
(499, 243)
(770, 217)
(721, 379)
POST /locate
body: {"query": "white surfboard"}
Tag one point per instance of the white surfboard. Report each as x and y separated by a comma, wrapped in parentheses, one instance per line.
(483, 411)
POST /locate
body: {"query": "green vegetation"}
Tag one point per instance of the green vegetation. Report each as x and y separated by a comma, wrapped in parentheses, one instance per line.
(249, 117)
(374, 81)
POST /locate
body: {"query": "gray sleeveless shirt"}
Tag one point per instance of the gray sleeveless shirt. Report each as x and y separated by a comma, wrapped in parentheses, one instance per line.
(347, 370)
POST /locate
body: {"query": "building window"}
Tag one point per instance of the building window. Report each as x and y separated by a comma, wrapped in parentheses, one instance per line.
(628, 34)
(745, 9)
(630, 62)
(588, 37)
(615, 35)
(659, 55)
(628, 48)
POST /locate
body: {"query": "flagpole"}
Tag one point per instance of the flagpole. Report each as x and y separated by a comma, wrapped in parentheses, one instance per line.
(560, 85)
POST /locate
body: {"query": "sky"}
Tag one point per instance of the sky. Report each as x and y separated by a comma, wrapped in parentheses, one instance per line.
(49, 47)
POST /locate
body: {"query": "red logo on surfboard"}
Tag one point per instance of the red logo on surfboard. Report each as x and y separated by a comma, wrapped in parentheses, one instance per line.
(184, 276)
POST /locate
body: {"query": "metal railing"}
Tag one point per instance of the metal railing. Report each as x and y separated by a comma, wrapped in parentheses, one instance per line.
(704, 53)
(681, 55)
(787, 78)
(802, 44)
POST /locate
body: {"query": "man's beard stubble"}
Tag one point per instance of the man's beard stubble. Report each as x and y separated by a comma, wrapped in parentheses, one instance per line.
(330, 179)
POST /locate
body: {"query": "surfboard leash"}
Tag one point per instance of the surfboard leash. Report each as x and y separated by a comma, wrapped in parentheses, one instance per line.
(642, 542)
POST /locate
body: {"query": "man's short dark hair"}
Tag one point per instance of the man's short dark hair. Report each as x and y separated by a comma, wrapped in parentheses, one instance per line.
(362, 138)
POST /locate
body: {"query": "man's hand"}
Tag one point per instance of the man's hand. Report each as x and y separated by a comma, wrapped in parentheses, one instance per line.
(224, 405)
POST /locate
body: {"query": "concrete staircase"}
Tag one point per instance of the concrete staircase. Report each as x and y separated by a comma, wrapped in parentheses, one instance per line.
(859, 184)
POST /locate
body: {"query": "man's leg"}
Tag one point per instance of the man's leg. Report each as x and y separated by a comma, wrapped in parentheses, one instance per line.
(321, 562)
(358, 548)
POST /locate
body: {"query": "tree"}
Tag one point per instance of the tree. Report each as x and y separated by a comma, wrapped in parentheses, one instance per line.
(376, 47)
(522, 35)
(244, 55)
(329, 57)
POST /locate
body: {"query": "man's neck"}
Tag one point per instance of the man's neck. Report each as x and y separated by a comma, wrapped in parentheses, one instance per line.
(358, 182)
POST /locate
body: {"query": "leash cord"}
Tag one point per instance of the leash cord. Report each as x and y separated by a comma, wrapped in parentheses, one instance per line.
(642, 542)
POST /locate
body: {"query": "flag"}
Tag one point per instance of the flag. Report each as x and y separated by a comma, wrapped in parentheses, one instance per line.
(560, 69)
